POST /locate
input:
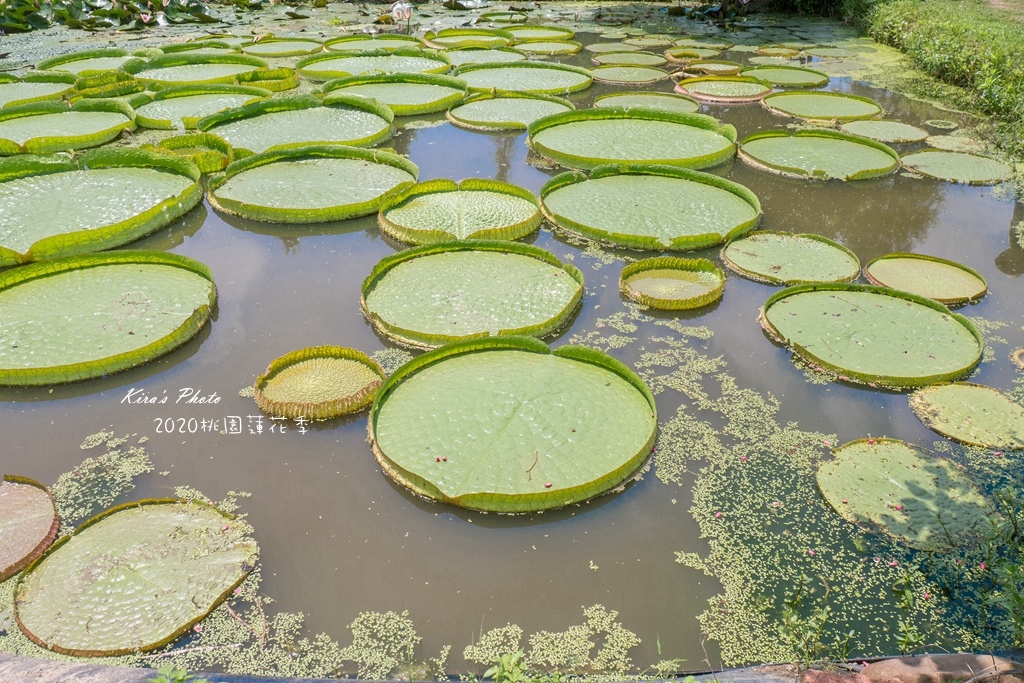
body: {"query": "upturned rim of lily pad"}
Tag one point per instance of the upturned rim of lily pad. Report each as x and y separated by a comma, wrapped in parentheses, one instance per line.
(284, 53)
(470, 35)
(948, 301)
(105, 84)
(644, 93)
(485, 66)
(471, 124)
(683, 87)
(767, 103)
(189, 122)
(44, 543)
(567, 33)
(327, 408)
(274, 79)
(47, 144)
(60, 60)
(704, 67)
(58, 77)
(790, 172)
(685, 55)
(444, 64)
(690, 265)
(138, 67)
(771, 280)
(209, 152)
(440, 104)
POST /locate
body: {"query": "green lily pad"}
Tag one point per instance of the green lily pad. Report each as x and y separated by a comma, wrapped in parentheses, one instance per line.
(787, 76)
(105, 84)
(504, 17)
(538, 78)
(405, 94)
(588, 138)
(468, 37)
(885, 131)
(550, 47)
(956, 167)
(28, 523)
(481, 55)
(713, 67)
(507, 111)
(672, 283)
(649, 100)
(86, 61)
(942, 124)
(956, 143)
(15, 93)
(971, 414)
(365, 41)
(780, 258)
(182, 106)
(274, 80)
(599, 48)
(777, 51)
(708, 43)
(208, 152)
(648, 42)
(46, 127)
(282, 47)
(650, 207)
(823, 106)
(122, 309)
(629, 59)
(302, 120)
(438, 294)
(724, 89)
(327, 66)
(505, 425)
(192, 69)
(318, 383)
(628, 75)
(944, 281)
(528, 33)
(133, 578)
(109, 197)
(872, 334)
(310, 184)
(206, 47)
(761, 60)
(685, 55)
(442, 210)
(818, 154)
(922, 500)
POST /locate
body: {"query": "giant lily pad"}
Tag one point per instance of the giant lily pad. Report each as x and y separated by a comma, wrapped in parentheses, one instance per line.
(685, 55)
(724, 89)
(28, 523)
(46, 127)
(318, 383)
(365, 41)
(971, 414)
(192, 69)
(86, 61)
(450, 38)
(442, 210)
(310, 184)
(650, 207)
(529, 33)
(550, 47)
(780, 258)
(709, 43)
(787, 76)
(712, 67)
(507, 111)
(822, 105)
(109, 197)
(872, 334)
(29, 90)
(885, 131)
(944, 281)
(599, 48)
(538, 78)
(324, 67)
(122, 309)
(922, 500)
(629, 59)
(482, 55)
(437, 294)
(208, 152)
(672, 283)
(818, 154)
(628, 75)
(182, 106)
(405, 94)
(505, 425)
(302, 120)
(588, 138)
(649, 100)
(958, 167)
(283, 47)
(133, 578)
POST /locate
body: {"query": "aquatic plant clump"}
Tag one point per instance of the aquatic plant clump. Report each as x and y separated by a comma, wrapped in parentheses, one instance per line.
(650, 207)
(330, 65)
(122, 309)
(539, 78)
(28, 523)
(920, 499)
(818, 155)
(442, 210)
(944, 281)
(405, 94)
(958, 167)
(505, 111)
(822, 106)
(885, 131)
(971, 414)
(780, 258)
(46, 127)
(183, 106)
(671, 283)
(575, 423)
(873, 335)
(51, 207)
(310, 184)
(724, 89)
(133, 578)
(318, 383)
(437, 294)
(588, 138)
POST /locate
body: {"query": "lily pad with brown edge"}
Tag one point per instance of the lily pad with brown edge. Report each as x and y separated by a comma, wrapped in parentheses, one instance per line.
(818, 155)
(873, 335)
(955, 167)
(183, 106)
(575, 423)
(935, 278)
(46, 127)
(629, 59)
(917, 497)
(40, 88)
(712, 67)
(328, 66)
(86, 61)
(483, 55)
(550, 47)
(787, 76)
(302, 120)
(208, 152)
(972, 414)
(536, 78)
(54, 207)
(685, 55)
(505, 111)
(274, 80)
(650, 207)
(133, 578)
(588, 138)
(539, 32)
(365, 41)
(442, 210)
(446, 292)
(649, 100)
(310, 184)
(318, 383)
(885, 131)
(28, 523)
(405, 94)
(122, 308)
(192, 69)
(671, 283)
(628, 75)
(780, 258)
(827, 106)
(724, 89)
(283, 47)
(449, 38)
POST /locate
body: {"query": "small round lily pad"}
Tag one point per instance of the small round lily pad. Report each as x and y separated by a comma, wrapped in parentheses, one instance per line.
(724, 89)
(527, 33)
(830, 52)
(363, 42)
(283, 47)
(552, 47)
(405, 94)
(450, 38)
(505, 111)
(318, 383)
(885, 131)
(28, 523)
(672, 283)
(628, 75)
(944, 281)
(818, 154)
(780, 258)
(649, 100)
(598, 48)
(539, 78)
(483, 55)
(629, 59)
(327, 66)
(787, 76)
(958, 167)
(972, 414)
(46, 127)
(918, 498)
(823, 106)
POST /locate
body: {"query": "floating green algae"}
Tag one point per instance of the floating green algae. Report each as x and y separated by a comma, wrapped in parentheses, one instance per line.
(818, 154)
(318, 383)
(958, 167)
(785, 259)
(944, 281)
(971, 414)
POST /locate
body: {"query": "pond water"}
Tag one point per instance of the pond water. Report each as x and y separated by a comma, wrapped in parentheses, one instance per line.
(338, 537)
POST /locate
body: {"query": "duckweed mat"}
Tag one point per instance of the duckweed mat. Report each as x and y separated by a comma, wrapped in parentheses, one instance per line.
(944, 281)
(780, 258)
(28, 523)
(318, 383)
(972, 414)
